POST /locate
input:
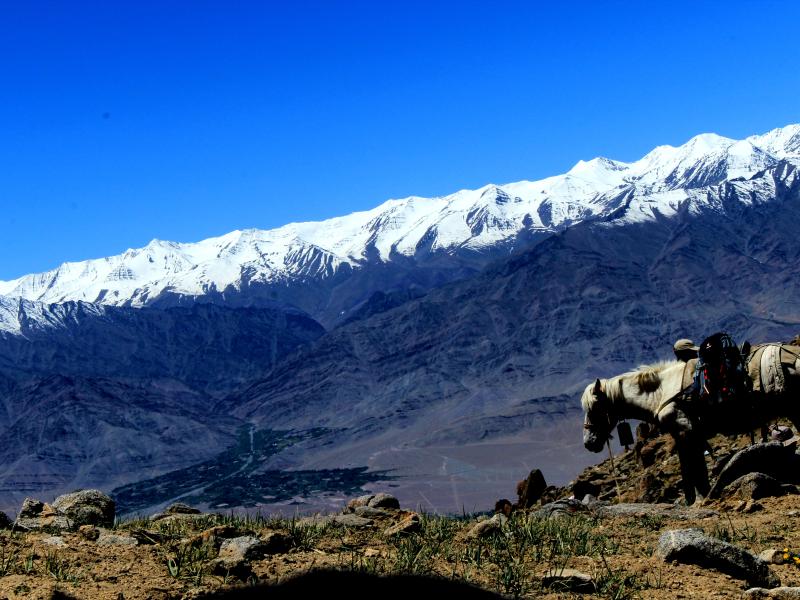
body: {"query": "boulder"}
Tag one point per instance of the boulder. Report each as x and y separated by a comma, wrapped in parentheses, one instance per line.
(383, 501)
(504, 506)
(531, 489)
(569, 580)
(669, 511)
(355, 503)
(560, 508)
(692, 546)
(754, 486)
(770, 458)
(177, 510)
(778, 593)
(584, 487)
(180, 508)
(36, 515)
(86, 507)
(31, 509)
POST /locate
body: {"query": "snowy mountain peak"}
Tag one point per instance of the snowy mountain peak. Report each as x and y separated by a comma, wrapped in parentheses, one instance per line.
(483, 220)
(783, 142)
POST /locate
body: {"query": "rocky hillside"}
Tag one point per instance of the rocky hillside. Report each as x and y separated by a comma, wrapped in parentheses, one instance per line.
(94, 395)
(741, 543)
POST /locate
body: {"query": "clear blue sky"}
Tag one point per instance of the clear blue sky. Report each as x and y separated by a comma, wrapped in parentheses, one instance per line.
(126, 121)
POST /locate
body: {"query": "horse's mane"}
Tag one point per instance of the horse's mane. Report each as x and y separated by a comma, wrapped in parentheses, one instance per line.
(647, 378)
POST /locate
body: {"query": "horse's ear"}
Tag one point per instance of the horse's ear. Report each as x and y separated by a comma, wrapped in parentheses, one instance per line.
(598, 388)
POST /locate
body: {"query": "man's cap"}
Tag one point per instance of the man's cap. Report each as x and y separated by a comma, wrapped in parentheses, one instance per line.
(684, 345)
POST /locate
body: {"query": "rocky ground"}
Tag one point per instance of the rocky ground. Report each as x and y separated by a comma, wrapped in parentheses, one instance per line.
(624, 538)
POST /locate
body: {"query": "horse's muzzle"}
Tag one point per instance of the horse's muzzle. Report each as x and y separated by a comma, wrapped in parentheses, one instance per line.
(592, 442)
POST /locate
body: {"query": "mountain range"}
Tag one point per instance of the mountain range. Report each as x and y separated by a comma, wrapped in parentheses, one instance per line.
(441, 343)
(326, 268)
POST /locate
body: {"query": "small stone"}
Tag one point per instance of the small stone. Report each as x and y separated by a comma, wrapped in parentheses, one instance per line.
(569, 580)
(348, 520)
(751, 507)
(383, 500)
(740, 506)
(369, 552)
(358, 502)
(89, 532)
(212, 536)
(113, 539)
(230, 567)
(180, 508)
(147, 537)
(772, 556)
(408, 524)
(275, 542)
(54, 541)
(352, 521)
(483, 529)
(242, 548)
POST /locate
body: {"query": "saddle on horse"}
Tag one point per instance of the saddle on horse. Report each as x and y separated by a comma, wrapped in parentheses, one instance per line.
(720, 375)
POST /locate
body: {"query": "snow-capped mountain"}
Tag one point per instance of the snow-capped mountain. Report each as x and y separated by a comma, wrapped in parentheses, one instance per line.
(469, 222)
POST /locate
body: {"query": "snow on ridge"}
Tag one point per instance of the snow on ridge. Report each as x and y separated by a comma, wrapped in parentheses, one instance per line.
(475, 219)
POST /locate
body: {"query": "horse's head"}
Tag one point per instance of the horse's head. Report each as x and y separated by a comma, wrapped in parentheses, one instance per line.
(599, 420)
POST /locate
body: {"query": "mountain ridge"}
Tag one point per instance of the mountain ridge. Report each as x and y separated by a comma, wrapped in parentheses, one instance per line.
(467, 228)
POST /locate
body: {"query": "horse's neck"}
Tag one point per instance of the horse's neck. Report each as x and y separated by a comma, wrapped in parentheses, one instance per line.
(630, 403)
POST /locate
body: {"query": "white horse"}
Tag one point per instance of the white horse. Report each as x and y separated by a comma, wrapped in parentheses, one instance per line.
(660, 394)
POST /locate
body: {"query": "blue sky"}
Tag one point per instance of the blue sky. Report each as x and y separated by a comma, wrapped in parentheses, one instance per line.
(127, 121)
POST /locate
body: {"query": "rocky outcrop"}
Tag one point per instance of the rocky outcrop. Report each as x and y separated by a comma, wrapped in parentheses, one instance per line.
(69, 511)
